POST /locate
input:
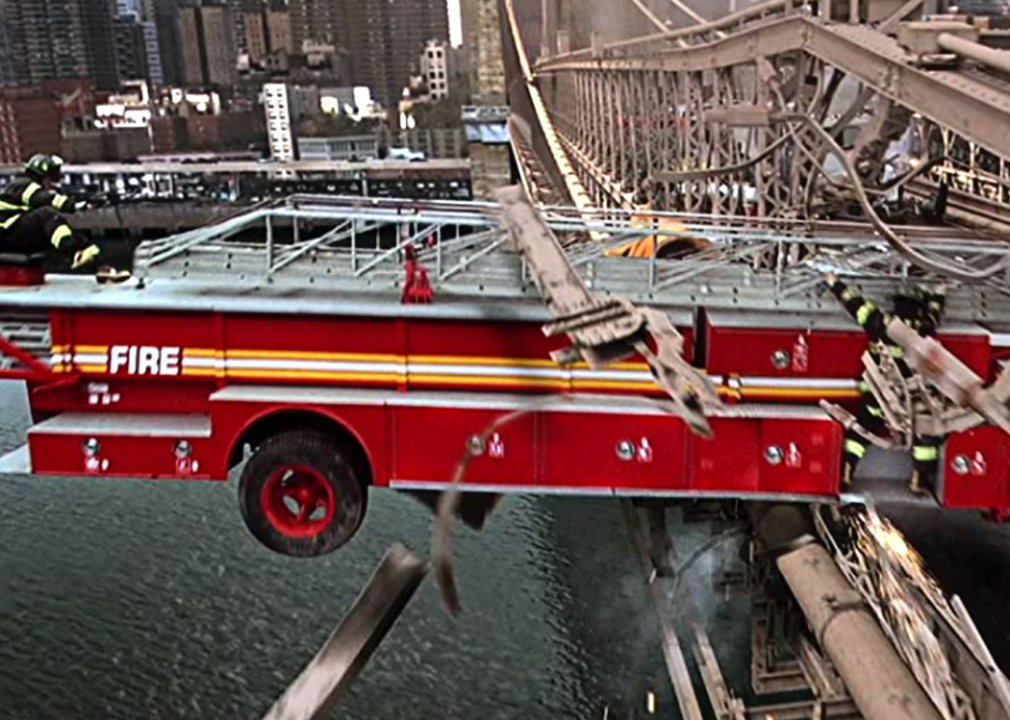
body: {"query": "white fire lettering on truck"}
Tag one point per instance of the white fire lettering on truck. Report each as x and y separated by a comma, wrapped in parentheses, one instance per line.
(144, 360)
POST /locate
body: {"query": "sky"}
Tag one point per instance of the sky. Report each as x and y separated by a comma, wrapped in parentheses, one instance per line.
(455, 29)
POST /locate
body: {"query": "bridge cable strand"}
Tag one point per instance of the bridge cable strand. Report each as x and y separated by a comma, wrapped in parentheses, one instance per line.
(903, 248)
(651, 16)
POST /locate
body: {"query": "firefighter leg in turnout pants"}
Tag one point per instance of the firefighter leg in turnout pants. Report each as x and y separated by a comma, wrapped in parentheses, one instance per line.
(854, 445)
(926, 458)
(926, 449)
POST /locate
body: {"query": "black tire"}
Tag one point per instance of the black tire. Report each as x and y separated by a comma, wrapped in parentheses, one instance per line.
(308, 465)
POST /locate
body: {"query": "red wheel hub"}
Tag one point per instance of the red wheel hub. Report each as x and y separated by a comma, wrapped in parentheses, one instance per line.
(298, 501)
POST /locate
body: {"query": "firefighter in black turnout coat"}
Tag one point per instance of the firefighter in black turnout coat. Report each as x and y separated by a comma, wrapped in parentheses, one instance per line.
(921, 313)
(32, 215)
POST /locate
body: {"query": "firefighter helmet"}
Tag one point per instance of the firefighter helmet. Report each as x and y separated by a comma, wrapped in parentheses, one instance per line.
(45, 167)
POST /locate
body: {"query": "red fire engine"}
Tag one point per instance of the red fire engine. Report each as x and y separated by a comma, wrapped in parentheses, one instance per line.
(281, 338)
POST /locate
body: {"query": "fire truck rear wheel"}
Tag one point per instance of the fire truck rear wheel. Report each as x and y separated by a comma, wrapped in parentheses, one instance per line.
(300, 496)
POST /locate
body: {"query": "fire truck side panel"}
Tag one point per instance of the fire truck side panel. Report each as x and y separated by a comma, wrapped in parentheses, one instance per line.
(105, 328)
(972, 347)
(801, 359)
(429, 443)
(431, 338)
(124, 445)
(607, 450)
(378, 352)
(976, 470)
(799, 456)
(286, 334)
(779, 353)
(727, 462)
(131, 395)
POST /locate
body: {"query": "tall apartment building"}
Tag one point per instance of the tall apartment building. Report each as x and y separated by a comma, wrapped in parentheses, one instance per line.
(99, 25)
(468, 14)
(152, 51)
(279, 34)
(268, 31)
(62, 39)
(167, 20)
(239, 10)
(256, 36)
(145, 14)
(438, 67)
(47, 40)
(386, 39)
(208, 45)
(131, 48)
(320, 21)
(277, 105)
(6, 67)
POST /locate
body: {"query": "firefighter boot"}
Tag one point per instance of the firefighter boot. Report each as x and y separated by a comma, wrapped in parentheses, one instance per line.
(917, 485)
(847, 469)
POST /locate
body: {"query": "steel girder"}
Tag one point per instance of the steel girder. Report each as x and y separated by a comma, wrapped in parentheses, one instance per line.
(643, 117)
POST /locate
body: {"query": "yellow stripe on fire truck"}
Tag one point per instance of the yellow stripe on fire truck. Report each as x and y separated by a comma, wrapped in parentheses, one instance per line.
(421, 370)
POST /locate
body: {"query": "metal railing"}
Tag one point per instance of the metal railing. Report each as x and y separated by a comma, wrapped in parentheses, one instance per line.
(347, 243)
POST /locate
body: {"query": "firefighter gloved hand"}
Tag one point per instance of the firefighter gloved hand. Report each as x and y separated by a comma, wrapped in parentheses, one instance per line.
(85, 256)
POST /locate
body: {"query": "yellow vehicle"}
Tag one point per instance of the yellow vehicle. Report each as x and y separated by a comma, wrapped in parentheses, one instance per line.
(659, 246)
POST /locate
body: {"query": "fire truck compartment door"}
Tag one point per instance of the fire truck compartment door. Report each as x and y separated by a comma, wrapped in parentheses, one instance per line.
(430, 442)
(623, 452)
(976, 469)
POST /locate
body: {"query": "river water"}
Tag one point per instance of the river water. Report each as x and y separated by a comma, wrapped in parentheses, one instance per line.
(123, 599)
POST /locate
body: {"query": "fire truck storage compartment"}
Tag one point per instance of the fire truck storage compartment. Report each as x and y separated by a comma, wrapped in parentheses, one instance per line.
(123, 445)
(767, 449)
(619, 444)
(429, 440)
(976, 470)
(773, 344)
(760, 347)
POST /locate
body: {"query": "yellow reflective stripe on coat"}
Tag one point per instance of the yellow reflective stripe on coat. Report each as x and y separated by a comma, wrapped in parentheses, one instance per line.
(875, 411)
(29, 193)
(925, 453)
(854, 448)
(60, 234)
(864, 312)
(6, 206)
(896, 351)
(59, 201)
(9, 221)
(848, 294)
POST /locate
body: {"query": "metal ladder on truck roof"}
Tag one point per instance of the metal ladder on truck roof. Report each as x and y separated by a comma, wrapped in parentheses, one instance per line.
(356, 245)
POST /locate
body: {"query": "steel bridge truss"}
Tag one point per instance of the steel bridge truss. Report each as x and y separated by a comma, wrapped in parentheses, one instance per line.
(773, 111)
